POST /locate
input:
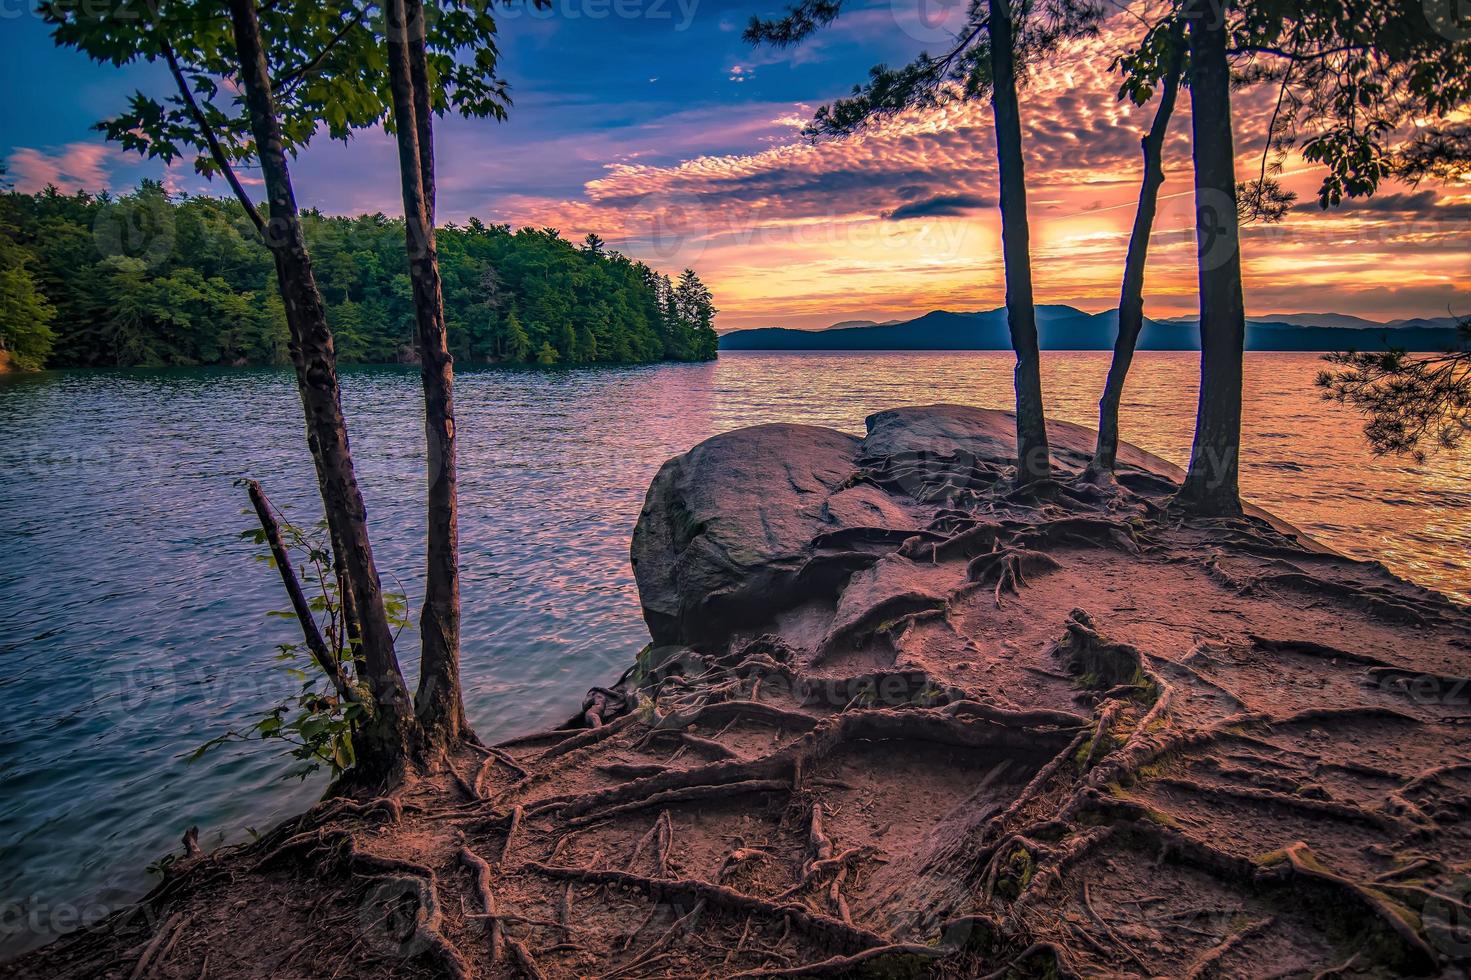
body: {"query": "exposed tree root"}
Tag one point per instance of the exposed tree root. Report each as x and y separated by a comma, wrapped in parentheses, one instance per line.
(1268, 798)
(1058, 858)
(1299, 860)
(1209, 961)
(492, 756)
(1055, 955)
(683, 794)
(708, 746)
(1309, 648)
(140, 969)
(525, 962)
(874, 620)
(802, 918)
(588, 737)
(723, 712)
(1423, 686)
(1008, 569)
(517, 813)
(925, 725)
(427, 922)
(481, 870)
(884, 959)
(1113, 936)
(1080, 532)
(1039, 718)
(1316, 716)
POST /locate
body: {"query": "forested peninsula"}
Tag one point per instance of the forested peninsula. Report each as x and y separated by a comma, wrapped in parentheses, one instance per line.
(153, 279)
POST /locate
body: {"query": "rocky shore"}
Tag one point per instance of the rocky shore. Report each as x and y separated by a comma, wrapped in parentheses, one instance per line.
(902, 717)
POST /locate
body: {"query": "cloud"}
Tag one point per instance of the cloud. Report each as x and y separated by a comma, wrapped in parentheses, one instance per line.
(75, 167)
(942, 206)
(1424, 205)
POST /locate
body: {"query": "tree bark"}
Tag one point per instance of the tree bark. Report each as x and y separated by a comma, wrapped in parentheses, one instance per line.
(382, 744)
(310, 632)
(1033, 458)
(1131, 294)
(439, 701)
(1211, 486)
(423, 105)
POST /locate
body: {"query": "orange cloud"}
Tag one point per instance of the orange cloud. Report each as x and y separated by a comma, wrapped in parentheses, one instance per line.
(802, 235)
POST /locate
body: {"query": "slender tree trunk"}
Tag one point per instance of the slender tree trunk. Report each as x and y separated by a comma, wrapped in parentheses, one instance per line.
(1211, 486)
(383, 742)
(439, 701)
(316, 643)
(416, 28)
(350, 626)
(1032, 455)
(1131, 295)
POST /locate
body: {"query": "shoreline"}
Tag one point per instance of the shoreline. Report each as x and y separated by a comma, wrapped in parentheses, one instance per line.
(903, 717)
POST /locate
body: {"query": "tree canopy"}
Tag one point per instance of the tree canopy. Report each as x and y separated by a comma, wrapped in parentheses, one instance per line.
(1411, 405)
(25, 313)
(329, 68)
(151, 279)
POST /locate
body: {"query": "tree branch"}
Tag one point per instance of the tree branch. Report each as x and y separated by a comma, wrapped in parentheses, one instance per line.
(216, 151)
(286, 83)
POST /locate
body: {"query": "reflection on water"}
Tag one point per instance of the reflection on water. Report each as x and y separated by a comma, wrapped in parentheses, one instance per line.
(133, 625)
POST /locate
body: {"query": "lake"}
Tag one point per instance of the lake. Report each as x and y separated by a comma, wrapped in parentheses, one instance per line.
(134, 618)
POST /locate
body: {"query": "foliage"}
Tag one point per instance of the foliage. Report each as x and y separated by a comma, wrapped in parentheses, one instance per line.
(148, 279)
(1363, 89)
(328, 63)
(25, 315)
(1409, 401)
(314, 722)
(927, 82)
(694, 307)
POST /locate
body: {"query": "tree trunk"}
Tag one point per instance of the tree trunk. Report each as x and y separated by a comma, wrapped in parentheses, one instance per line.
(350, 626)
(1033, 458)
(1211, 486)
(1131, 295)
(316, 643)
(423, 105)
(439, 701)
(382, 743)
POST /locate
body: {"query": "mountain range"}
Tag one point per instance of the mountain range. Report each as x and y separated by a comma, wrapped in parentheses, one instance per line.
(1069, 328)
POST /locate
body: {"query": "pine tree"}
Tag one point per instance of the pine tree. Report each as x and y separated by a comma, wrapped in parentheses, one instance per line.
(587, 345)
(567, 342)
(516, 344)
(25, 313)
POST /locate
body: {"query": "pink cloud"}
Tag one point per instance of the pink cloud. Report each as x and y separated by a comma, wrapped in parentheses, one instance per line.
(76, 166)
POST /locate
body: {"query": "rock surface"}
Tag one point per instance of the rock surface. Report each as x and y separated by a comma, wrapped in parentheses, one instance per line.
(751, 524)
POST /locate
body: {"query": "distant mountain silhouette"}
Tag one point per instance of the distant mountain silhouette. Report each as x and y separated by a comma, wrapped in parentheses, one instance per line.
(1068, 328)
(842, 324)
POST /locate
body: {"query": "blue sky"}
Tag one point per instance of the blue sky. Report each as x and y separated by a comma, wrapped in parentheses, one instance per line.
(664, 132)
(586, 83)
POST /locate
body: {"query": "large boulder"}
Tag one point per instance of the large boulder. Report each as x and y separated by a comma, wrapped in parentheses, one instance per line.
(758, 521)
(727, 526)
(753, 524)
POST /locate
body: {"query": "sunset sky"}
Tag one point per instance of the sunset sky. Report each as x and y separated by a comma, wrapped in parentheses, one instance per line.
(653, 124)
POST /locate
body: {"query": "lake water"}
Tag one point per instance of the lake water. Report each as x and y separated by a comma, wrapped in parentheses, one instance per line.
(132, 613)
